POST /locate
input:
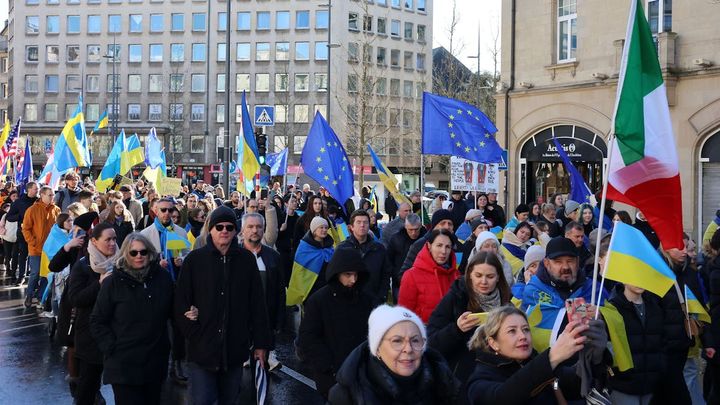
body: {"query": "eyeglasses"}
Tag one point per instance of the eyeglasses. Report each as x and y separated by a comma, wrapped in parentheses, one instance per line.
(221, 227)
(142, 252)
(164, 210)
(397, 343)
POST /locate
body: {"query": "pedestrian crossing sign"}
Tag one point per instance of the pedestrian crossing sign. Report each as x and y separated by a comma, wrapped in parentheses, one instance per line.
(264, 115)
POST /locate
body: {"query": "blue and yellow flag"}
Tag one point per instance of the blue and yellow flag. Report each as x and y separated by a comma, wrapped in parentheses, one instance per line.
(56, 239)
(111, 168)
(72, 149)
(132, 154)
(631, 259)
(463, 232)
(306, 268)
(339, 233)
(5, 132)
(541, 319)
(102, 122)
(622, 356)
(156, 174)
(248, 155)
(176, 242)
(694, 306)
(387, 178)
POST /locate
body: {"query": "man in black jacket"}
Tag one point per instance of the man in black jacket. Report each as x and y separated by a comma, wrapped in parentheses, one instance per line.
(220, 308)
(335, 320)
(271, 273)
(373, 255)
(17, 214)
(399, 246)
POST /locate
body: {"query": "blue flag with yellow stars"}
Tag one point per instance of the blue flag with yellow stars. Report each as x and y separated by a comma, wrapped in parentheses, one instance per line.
(325, 161)
(451, 127)
(579, 190)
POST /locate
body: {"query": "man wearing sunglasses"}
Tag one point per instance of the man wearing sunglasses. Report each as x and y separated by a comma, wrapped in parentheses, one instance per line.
(221, 309)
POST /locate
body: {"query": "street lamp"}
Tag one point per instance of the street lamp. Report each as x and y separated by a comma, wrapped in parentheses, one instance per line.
(115, 97)
(330, 45)
(226, 150)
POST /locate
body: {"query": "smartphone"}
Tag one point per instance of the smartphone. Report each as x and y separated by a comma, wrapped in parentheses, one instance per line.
(80, 233)
(577, 310)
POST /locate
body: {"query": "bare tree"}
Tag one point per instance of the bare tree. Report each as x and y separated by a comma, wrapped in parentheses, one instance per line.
(283, 131)
(176, 114)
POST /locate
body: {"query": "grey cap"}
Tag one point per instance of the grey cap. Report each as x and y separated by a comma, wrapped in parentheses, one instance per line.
(571, 206)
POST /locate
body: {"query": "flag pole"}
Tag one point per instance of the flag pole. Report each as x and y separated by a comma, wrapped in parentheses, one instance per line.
(602, 282)
(603, 201)
(422, 187)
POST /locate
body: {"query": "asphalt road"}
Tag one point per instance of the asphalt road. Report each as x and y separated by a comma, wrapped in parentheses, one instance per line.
(32, 366)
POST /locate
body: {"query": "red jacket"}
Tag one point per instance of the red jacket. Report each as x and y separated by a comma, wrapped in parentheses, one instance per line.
(425, 283)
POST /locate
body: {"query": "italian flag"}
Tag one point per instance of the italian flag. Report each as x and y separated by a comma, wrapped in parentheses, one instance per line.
(643, 167)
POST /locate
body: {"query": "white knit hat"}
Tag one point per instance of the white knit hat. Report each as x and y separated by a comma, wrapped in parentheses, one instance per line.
(317, 222)
(535, 253)
(385, 317)
(484, 236)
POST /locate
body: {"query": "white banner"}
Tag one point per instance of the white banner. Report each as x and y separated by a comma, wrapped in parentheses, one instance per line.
(466, 175)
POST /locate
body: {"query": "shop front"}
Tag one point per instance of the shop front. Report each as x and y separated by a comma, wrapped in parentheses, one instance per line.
(709, 173)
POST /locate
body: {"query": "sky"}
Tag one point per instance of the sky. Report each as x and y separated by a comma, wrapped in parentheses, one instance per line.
(471, 13)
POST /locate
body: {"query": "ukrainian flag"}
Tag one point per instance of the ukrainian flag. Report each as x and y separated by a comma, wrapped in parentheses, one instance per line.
(694, 306)
(515, 262)
(541, 319)
(102, 122)
(387, 178)
(133, 153)
(56, 239)
(618, 337)
(245, 184)
(498, 231)
(155, 175)
(111, 168)
(174, 241)
(72, 149)
(248, 155)
(309, 261)
(339, 233)
(631, 259)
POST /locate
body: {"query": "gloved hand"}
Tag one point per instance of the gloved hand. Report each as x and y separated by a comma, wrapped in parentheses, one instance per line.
(597, 340)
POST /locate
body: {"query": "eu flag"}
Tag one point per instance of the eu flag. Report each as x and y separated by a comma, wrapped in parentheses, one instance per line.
(277, 162)
(325, 161)
(579, 191)
(451, 127)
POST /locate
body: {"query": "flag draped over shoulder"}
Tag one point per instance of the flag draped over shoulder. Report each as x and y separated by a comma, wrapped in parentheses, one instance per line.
(325, 161)
(306, 268)
(56, 239)
(452, 127)
(132, 154)
(72, 148)
(632, 260)
(579, 190)
(643, 168)
(387, 178)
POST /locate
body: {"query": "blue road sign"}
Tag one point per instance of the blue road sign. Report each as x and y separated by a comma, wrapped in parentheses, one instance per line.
(503, 165)
(264, 115)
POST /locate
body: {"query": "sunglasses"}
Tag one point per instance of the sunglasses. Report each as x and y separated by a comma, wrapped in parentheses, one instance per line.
(221, 227)
(164, 210)
(142, 252)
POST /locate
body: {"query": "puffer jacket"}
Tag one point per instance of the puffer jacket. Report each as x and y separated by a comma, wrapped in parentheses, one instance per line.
(377, 262)
(425, 284)
(364, 380)
(83, 288)
(39, 218)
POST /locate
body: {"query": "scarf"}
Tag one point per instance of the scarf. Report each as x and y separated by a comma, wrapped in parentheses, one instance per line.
(162, 232)
(490, 301)
(137, 274)
(100, 263)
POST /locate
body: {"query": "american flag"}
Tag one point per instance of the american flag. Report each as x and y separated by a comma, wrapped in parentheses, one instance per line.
(10, 146)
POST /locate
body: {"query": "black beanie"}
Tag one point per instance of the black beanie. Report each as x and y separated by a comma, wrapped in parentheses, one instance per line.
(438, 216)
(344, 260)
(220, 214)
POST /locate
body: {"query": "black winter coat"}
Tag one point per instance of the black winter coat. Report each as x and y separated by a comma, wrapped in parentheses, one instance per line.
(232, 315)
(397, 249)
(84, 286)
(335, 322)
(466, 249)
(677, 342)
(378, 264)
(122, 230)
(17, 211)
(365, 380)
(274, 287)
(460, 208)
(713, 269)
(129, 324)
(646, 344)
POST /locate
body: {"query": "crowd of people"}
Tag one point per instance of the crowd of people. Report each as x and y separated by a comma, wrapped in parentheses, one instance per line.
(421, 305)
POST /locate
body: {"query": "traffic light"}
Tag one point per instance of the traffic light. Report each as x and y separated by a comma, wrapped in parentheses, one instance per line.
(261, 140)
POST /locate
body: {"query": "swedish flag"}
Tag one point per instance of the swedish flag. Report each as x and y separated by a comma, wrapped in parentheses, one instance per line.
(72, 149)
(132, 154)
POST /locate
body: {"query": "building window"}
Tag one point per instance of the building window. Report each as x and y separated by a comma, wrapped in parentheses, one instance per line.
(30, 113)
(322, 109)
(262, 20)
(73, 24)
(51, 112)
(133, 112)
(31, 83)
(408, 118)
(394, 117)
(262, 82)
(113, 82)
(197, 142)
(395, 3)
(242, 82)
(197, 83)
(353, 52)
(367, 23)
(420, 5)
(31, 53)
(353, 22)
(380, 116)
(409, 28)
(199, 52)
(352, 115)
(177, 81)
(282, 51)
(52, 54)
(381, 86)
(92, 83)
(352, 85)
(177, 143)
(72, 84)
(420, 62)
(134, 53)
(177, 22)
(395, 87)
(177, 52)
(52, 24)
(567, 30)
(282, 20)
(197, 112)
(220, 113)
(113, 52)
(302, 19)
(73, 53)
(262, 51)
(242, 51)
(222, 21)
(281, 113)
(157, 23)
(114, 23)
(320, 81)
(321, 19)
(408, 60)
(298, 144)
(382, 26)
(281, 82)
(659, 15)
(156, 52)
(367, 53)
(301, 113)
(220, 83)
(176, 112)
(92, 112)
(238, 113)
(302, 51)
(381, 56)
(134, 83)
(420, 33)
(243, 21)
(302, 82)
(93, 54)
(94, 24)
(321, 50)
(395, 58)
(395, 28)
(155, 112)
(199, 22)
(51, 83)
(221, 52)
(136, 22)
(407, 88)
(408, 4)
(156, 83)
